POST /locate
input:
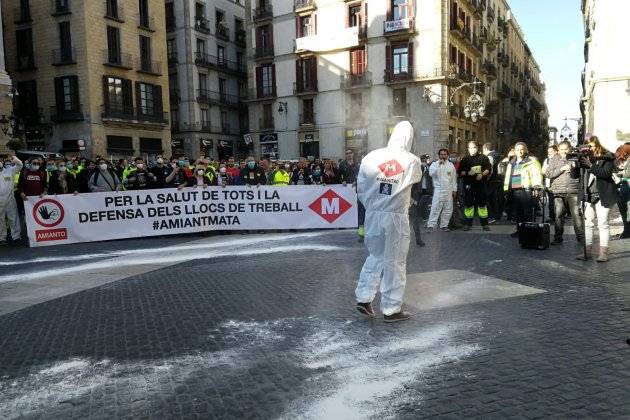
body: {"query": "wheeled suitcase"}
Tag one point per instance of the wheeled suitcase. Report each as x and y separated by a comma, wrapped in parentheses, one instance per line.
(534, 235)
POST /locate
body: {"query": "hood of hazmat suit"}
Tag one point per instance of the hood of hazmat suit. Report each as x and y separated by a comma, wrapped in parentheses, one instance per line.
(386, 174)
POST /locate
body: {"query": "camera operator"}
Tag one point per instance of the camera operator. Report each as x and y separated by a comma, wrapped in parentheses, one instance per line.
(565, 188)
(598, 193)
(623, 173)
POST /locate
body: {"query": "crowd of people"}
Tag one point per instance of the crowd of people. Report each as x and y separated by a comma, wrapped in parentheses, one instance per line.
(581, 188)
(36, 178)
(579, 184)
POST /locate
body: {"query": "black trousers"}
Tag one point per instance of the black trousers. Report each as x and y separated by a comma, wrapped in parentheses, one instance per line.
(522, 205)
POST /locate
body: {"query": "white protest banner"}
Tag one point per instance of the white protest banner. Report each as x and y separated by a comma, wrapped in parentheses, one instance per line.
(66, 219)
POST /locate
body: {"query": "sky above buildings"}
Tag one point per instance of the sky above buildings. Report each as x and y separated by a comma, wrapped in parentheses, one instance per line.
(554, 31)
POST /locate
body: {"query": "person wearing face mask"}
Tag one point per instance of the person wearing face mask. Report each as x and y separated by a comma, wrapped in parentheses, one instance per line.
(8, 205)
(281, 178)
(83, 177)
(474, 169)
(222, 177)
(199, 179)
(160, 172)
(104, 178)
(61, 182)
(252, 174)
(33, 181)
(50, 169)
(141, 179)
(317, 175)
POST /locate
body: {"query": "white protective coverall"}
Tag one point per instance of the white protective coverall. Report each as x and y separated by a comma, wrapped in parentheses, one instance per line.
(8, 206)
(444, 184)
(384, 187)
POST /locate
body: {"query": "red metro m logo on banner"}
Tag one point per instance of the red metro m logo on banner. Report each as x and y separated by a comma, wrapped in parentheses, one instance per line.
(48, 214)
(330, 206)
(391, 168)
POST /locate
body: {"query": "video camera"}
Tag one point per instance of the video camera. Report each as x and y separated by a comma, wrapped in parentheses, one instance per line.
(577, 153)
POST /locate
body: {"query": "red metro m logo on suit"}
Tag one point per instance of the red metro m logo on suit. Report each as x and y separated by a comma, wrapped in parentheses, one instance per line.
(391, 168)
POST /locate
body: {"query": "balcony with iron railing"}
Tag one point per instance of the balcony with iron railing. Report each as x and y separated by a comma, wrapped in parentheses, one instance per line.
(459, 73)
(476, 43)
(61, 56)
(514, 68)
(218, 98)
(130, 114)
(264, 52)
(397, 75)
(202, 24)
(490, 69)
(516, 95)
(505, 91)
(149, 66)
(240, 37)
(490, 14)
(476, 8)
(114, 11)
(305, 86)
(349, 81)
(482, 5)
(458, 26)
(483, 34)
(266, 123)
(22, 14)
(304, 5)
(211, 61)
(307, 119)
(114, 59)
(75, 113)
(59, 8)
(262, 13)
(222, 31)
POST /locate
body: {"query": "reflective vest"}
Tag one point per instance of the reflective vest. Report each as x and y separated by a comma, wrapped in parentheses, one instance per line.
(16, 179)
(281, 179)
(531, 174)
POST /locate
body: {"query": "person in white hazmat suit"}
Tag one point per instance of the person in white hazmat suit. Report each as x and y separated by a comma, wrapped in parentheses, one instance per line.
(8, 207)
(444, 178)
(384, 186)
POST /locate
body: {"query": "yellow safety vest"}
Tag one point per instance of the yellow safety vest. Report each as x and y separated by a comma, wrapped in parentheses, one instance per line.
(281, 179)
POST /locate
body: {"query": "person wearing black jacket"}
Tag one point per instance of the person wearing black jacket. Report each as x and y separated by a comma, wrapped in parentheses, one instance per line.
(598, 193)
(252, 174)
(474, 169)
(302, 174)
(61, 181)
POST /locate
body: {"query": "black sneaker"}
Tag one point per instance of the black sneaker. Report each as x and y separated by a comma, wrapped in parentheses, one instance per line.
(556, 242)
(514, 235)
(17, 241)
(420, 242)
(365, 308)
(3, 242)
(398, 316)
(361, 239)
(466, 228)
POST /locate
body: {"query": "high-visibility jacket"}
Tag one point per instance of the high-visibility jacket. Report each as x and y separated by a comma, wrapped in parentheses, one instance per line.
(531, 174)
(16, 179)
(281, 179)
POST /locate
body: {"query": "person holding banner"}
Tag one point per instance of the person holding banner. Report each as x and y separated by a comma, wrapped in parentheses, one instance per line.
(199, 179)
(33, 181)
(384, 186)
(104, 178)
(8, 205)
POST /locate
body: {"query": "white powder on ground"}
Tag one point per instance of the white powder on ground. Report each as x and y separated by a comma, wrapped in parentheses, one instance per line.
(349, 379)
(368, 380)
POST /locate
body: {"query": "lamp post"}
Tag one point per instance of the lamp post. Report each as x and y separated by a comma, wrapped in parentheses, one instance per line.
(474, 107)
